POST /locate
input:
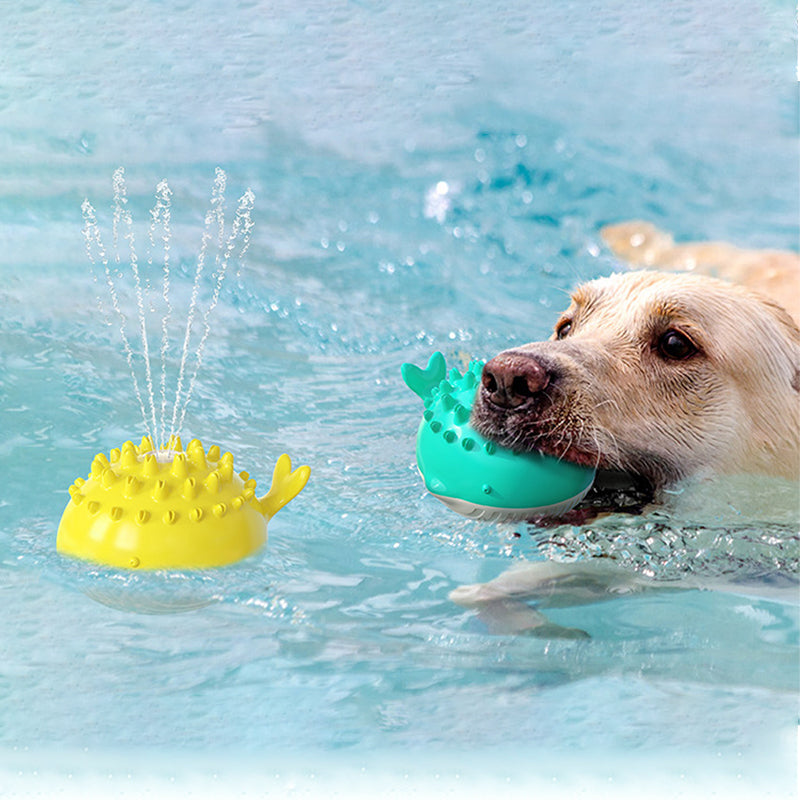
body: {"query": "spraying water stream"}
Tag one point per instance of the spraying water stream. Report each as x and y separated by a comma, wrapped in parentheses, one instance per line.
(126, 285)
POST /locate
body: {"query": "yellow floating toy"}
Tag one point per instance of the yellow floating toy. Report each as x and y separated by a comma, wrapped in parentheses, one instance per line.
(142, 508)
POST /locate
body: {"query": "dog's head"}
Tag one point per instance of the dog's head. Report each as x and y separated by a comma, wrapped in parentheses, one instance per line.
(658, 375)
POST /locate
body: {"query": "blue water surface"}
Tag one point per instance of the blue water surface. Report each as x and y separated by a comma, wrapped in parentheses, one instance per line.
(428, 175)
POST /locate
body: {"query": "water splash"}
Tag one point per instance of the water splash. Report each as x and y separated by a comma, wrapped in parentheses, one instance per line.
(241, 228)
(160, 217)
(123, 217)
(128, 284)
(91, 232)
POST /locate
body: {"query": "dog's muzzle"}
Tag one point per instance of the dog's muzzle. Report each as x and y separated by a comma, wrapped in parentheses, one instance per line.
(511, 380)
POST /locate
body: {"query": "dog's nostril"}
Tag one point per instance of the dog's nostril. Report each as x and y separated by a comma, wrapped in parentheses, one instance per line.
(521, 388)
(511, 380)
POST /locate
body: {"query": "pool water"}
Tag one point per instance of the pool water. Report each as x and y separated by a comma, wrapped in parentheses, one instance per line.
(427, 176)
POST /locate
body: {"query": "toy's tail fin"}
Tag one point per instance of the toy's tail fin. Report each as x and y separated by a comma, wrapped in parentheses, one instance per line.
(286, 485)
(421, 381)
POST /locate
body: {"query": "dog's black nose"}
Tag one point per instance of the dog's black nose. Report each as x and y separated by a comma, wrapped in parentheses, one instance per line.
(511, 379)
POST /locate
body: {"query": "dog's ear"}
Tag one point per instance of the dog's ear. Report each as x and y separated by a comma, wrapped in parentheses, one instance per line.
(792, 333)
(785, 320)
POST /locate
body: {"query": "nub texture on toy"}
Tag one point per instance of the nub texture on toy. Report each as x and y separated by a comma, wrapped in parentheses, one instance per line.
(148, 509)
(475, 476)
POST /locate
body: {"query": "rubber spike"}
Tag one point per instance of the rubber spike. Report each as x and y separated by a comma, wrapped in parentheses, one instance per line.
(179, 468)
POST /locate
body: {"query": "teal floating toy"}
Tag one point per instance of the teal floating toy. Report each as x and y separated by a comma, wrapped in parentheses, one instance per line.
(472, 475)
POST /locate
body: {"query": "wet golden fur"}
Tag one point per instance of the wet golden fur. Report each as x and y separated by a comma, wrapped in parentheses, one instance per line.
(615, 401)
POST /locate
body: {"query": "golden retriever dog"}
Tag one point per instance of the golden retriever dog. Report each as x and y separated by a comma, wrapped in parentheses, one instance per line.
(665, 376)
(655, 374)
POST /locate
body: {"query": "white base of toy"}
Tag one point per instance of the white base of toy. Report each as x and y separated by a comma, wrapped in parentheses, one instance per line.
(493, 514)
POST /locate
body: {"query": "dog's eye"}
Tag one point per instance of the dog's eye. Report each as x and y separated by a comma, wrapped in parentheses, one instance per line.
(676, 346)
(563, 328)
